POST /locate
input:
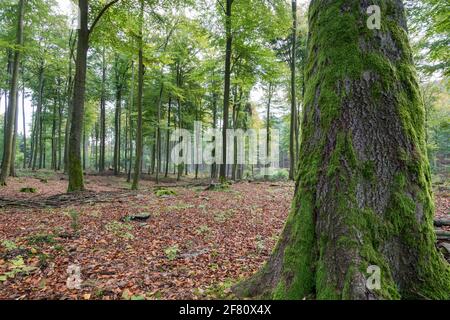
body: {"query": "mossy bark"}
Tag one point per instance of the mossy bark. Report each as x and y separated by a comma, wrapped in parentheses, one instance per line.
(363, 195)
(75, 170)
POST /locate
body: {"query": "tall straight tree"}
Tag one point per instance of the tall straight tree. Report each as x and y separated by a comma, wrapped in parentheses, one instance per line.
(24, 124)
(138, 157)
(363, 195)
(75, 170)
(293, 127)
(120, 71)
(101, 166)
(227, 84)
(12, 104)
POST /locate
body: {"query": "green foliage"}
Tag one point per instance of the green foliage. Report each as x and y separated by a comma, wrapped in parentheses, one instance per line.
(16, 267)
(9, 245)
(74, 220)
(41, 238)
(203, 229)
(120, 229)
(161, 192)
(28, 190)
(171, 252)
(223, 216)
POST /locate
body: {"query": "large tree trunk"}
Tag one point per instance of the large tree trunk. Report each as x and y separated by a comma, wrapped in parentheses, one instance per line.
(363, 195)
(75, 170)
(12, 105)
(227, 83)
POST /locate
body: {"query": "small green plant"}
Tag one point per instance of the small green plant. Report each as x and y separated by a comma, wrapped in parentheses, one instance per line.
(28, 190)
(43, 260)
(9, 245)
(120, 229)
(223, 216)
(260, 244)
(171, 252)
(203, 229)
(16, 266)
(41, 239)
(75, 220)
(181, 206)
(221, 290)
(165, 192)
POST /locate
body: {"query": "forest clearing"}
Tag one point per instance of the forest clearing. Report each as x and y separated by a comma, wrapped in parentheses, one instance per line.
(224, 150)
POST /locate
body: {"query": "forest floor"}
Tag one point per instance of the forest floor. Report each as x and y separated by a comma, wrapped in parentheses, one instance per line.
(194, 244)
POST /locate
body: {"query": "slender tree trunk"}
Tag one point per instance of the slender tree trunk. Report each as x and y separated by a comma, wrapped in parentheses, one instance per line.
(75, 170)
(41, 139)
(292, 133)
(166, 170)
(12, 169)
(8, 142)
(69, 92)
(103, 116)
(60, 116)
(84, 147)
(138, 160)
(117, 130)
(8, 83)
(158, 135)
(37, 117)
(180, 125)
(130, 123)
(226, 91)
(151, 168)
(214, 165)
(33, 137)
(363, 195)
(269, 102)
(24, 125)
(54, 138)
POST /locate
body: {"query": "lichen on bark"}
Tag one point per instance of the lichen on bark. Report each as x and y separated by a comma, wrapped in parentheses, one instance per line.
(363, 193)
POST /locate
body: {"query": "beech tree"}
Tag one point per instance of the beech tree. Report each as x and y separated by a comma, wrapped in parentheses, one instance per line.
(75, 170)
(11, 121)
(363, 194)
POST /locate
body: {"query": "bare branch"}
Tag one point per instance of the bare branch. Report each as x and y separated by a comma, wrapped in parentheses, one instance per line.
(105, 8)
(223, 8)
